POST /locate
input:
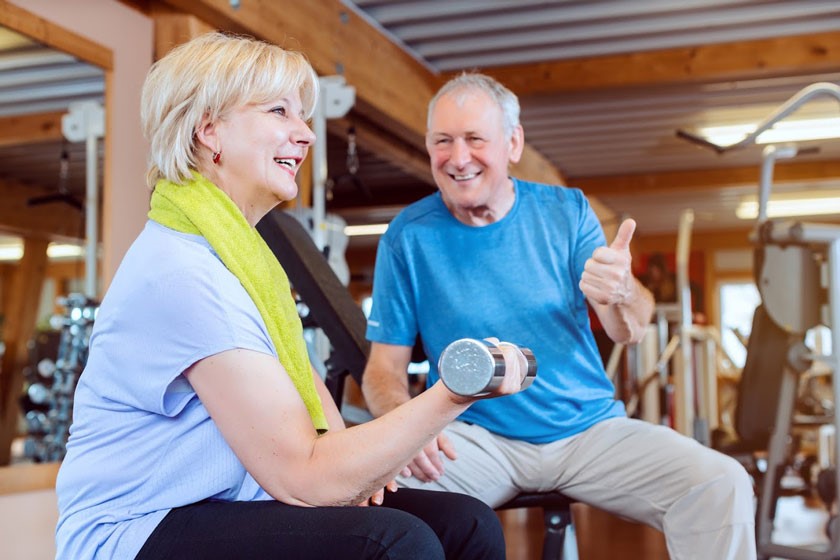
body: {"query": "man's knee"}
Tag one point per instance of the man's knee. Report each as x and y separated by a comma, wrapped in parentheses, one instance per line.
(730, 474)
(721, 484)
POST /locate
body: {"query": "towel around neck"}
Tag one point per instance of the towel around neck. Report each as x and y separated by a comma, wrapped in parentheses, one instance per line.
(200, 207)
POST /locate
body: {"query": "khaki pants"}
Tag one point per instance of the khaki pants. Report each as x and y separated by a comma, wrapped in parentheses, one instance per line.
(701, 499)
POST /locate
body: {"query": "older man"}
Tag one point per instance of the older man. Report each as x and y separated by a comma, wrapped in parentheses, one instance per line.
(491, 255)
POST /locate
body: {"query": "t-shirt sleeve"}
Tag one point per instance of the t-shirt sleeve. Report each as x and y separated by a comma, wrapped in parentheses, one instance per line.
(590, 234)
(393, 314)
(167, 326)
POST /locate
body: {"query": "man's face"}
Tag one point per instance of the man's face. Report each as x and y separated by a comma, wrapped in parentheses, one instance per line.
(470, 152)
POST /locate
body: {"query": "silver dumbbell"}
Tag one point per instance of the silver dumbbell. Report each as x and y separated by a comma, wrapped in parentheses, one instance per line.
(472, 367)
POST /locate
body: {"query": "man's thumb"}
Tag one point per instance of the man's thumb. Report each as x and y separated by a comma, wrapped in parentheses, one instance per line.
(446, 446)
(624, 235)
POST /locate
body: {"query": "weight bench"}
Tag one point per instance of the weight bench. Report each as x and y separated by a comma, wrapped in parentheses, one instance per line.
(332, 308)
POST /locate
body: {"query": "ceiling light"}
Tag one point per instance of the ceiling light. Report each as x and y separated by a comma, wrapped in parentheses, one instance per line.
(366, 229)
(59, 251)
(11, 252)
(783, 131)
(778, 208)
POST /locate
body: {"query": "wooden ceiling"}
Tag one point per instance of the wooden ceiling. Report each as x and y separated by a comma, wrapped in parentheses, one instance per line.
(604, 86)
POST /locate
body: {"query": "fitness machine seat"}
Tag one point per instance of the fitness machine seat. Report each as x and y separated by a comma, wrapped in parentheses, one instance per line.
(343, 322)
(557, 515)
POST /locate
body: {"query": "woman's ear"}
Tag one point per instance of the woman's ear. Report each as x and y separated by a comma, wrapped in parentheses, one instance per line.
(206, 134)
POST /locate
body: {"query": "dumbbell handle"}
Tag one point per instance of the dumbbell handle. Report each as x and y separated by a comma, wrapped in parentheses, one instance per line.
(472, 367)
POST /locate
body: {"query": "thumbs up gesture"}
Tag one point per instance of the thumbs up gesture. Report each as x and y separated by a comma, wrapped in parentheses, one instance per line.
(607, 278)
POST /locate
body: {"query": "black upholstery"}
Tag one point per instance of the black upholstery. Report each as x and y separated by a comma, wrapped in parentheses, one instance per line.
(761, 381)
(758, 394)
(331, 306)
(342, 320)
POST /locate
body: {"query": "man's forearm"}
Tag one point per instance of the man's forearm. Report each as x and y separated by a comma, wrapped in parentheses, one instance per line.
(384, 391)
(626, 322)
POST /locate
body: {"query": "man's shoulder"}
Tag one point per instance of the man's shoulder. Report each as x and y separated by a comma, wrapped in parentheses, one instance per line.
(545, 192)
(416, 212)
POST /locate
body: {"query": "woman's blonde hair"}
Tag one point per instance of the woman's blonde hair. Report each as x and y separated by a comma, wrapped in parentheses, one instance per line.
(206, 78)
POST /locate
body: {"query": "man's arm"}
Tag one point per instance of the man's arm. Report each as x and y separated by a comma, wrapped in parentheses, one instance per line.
(626, 322)
(385, 381)
(385, 387)
(623, 305)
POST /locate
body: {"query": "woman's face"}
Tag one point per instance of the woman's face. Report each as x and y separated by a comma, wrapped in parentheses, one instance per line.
(262, 148)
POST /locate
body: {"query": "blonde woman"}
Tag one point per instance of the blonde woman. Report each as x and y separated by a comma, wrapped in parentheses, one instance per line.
(200, 430)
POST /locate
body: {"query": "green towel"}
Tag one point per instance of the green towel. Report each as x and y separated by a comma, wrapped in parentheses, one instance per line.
(200, 207)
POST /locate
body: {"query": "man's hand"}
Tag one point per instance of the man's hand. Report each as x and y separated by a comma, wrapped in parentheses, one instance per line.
(607, 278)
(428, 464)
(376, 499)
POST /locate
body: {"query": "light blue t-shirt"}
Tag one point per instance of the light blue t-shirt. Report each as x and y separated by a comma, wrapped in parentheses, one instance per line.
(141, 442)
(517, 280)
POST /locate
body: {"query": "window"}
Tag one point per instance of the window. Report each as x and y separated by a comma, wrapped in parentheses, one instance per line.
(738, 301)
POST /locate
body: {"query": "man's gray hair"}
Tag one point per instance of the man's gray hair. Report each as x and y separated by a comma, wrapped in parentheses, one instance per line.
(469, 82)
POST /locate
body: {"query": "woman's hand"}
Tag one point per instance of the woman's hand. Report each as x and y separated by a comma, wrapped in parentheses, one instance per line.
(516, 367)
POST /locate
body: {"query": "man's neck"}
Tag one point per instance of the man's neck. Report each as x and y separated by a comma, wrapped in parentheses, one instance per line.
(487, 214)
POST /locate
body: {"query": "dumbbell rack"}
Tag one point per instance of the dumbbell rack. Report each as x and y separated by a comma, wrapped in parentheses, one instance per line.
(51, 384)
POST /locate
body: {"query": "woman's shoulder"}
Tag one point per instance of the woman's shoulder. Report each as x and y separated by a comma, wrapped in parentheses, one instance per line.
(174, 269)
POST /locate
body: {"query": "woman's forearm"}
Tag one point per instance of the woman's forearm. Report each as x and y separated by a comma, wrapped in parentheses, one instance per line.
(348, 466)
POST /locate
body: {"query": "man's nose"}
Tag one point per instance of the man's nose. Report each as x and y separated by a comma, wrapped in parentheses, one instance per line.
(460, 154)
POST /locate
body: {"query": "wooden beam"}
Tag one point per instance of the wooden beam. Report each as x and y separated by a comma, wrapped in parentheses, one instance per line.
(389, 83)
(735, 238)
(533, 166)
(407, 157)
(173, 28)
(49, 221)
(53, 36)
(672, 181)
(796, 55)
(26, 129)
(415, 162)
(20, 312)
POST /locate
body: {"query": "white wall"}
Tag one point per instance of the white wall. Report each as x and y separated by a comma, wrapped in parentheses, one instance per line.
(28, 528)
(130, 36)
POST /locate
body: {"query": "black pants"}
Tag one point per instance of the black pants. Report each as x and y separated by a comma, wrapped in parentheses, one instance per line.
(411, 524)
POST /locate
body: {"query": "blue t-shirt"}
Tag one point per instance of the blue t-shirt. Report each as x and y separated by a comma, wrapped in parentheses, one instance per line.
(515, 279)
(141, 442)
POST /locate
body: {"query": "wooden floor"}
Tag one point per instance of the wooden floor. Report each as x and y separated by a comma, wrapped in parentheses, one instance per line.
(599, 535)
(602, 536)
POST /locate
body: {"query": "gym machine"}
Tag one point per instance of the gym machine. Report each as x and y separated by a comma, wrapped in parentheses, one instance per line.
(797, 271)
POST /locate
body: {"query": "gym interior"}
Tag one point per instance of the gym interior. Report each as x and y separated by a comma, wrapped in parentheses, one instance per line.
(714, 125)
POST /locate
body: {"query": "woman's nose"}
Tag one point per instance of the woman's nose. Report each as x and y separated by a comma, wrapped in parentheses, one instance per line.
(303, 135)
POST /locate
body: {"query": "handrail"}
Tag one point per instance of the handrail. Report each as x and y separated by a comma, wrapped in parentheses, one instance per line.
(792, 104)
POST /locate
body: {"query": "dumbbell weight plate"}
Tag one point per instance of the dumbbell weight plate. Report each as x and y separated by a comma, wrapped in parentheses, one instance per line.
(471, 367)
